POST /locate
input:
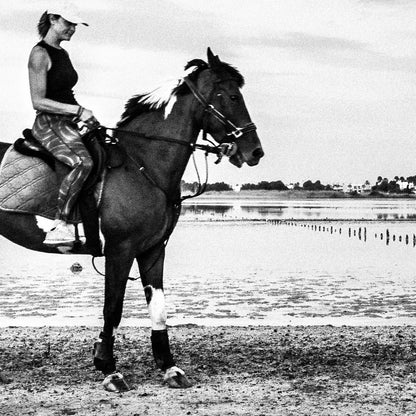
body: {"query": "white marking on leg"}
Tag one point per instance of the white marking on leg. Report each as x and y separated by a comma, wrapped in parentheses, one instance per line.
(44, 223)
(157, 309)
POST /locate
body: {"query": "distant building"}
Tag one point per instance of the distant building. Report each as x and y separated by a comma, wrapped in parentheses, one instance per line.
(236, 187)
(337, 187)
(358, 188)
(403, 184)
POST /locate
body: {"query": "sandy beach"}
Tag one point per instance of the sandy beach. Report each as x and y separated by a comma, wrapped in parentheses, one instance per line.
(314, 370)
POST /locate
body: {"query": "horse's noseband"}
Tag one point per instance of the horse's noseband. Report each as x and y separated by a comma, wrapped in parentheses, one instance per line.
(210, 108)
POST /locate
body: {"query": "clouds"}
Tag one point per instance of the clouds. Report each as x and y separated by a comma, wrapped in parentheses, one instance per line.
(329, 82)
(304, 42)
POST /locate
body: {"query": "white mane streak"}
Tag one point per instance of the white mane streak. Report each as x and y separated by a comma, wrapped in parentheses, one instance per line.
(162, 96)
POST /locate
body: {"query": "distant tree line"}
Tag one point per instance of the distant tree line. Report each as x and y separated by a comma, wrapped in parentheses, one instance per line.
(393, 186)
(263, 185)
(217, 186)
(280, 186)
(396, 185)
(268, 186)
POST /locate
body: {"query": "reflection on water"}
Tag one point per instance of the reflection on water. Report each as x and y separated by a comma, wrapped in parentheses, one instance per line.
(322, 209)
(239, 272)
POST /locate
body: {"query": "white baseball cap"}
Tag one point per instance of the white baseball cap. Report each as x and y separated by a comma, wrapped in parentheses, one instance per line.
(68, 11)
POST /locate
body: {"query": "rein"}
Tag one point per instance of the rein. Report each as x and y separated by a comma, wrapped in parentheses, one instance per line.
(192, 146)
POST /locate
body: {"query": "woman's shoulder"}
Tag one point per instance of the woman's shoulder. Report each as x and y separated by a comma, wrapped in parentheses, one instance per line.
(39, 48)
(38, 56)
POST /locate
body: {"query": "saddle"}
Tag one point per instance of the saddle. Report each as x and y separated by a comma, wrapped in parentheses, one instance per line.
(30, 178)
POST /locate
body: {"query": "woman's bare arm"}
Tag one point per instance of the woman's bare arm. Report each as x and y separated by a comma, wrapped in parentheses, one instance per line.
(39, 63)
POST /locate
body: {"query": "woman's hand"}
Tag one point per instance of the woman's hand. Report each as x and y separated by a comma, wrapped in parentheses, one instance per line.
(87, 118)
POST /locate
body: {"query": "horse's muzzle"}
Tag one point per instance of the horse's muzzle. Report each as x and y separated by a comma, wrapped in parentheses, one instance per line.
(252, 159)
(256, 155)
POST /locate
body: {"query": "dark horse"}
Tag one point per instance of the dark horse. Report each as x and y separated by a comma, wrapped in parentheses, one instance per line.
(141, 200)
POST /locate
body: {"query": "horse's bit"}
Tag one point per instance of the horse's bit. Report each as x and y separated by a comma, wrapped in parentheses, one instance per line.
(235, 131)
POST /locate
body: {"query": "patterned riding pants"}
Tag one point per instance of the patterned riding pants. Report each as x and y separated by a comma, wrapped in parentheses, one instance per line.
(60, 135)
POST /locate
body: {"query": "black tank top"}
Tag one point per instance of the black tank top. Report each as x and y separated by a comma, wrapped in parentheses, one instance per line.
(61, 77)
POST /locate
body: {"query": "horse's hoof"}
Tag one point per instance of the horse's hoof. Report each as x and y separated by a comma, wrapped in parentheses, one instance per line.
(115, 383)
(176, 378)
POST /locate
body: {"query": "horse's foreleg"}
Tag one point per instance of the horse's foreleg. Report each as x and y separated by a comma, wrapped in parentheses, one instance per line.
(117, 267)
(151, 271)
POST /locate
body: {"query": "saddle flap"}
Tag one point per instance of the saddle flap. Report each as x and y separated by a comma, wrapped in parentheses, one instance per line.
(29, 146)
(27, 185)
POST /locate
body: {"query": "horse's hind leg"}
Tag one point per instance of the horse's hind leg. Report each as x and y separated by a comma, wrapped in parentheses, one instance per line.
(151, 271)
(117, 267)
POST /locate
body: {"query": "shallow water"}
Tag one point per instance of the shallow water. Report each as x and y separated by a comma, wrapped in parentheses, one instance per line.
(312, 209)
(223, 271)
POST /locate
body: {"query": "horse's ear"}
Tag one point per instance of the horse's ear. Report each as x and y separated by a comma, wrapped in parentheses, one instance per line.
(199, 63)
(213, 60)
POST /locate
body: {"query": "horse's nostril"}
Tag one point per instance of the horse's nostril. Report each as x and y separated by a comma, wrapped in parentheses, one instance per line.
(258, 153)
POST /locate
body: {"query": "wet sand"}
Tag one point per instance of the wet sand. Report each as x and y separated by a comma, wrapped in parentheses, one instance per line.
(313, 370)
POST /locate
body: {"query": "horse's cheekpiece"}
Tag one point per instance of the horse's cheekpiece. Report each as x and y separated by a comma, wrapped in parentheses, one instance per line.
(115, 383)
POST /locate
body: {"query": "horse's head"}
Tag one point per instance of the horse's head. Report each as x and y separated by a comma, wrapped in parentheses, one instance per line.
(216, 85)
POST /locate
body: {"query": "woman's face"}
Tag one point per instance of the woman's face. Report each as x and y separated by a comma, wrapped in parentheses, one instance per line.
(64, 29)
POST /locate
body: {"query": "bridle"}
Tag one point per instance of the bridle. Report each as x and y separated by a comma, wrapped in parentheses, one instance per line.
(210, 108)
(216, 149)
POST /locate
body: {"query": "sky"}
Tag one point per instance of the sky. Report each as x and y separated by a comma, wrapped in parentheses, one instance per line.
(330, 84)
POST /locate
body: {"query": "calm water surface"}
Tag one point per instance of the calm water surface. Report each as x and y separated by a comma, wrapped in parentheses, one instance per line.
(313, 209)
(224, 271)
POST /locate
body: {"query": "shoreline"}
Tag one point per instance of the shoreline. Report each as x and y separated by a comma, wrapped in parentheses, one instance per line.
(39, 322)
(298, 195)
(313, 371)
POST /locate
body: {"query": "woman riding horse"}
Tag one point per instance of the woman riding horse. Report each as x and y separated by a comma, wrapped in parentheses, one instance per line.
(51, 79)
(141, 200)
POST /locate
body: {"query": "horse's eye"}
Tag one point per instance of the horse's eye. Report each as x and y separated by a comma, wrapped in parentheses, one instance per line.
(234, 98)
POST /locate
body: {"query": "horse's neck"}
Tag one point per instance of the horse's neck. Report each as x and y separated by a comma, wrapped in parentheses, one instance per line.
(164, 161)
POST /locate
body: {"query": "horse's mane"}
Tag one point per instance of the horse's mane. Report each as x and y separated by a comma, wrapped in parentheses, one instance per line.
(164, 97)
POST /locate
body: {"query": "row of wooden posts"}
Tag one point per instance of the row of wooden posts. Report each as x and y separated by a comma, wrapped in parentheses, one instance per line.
(360, 232)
